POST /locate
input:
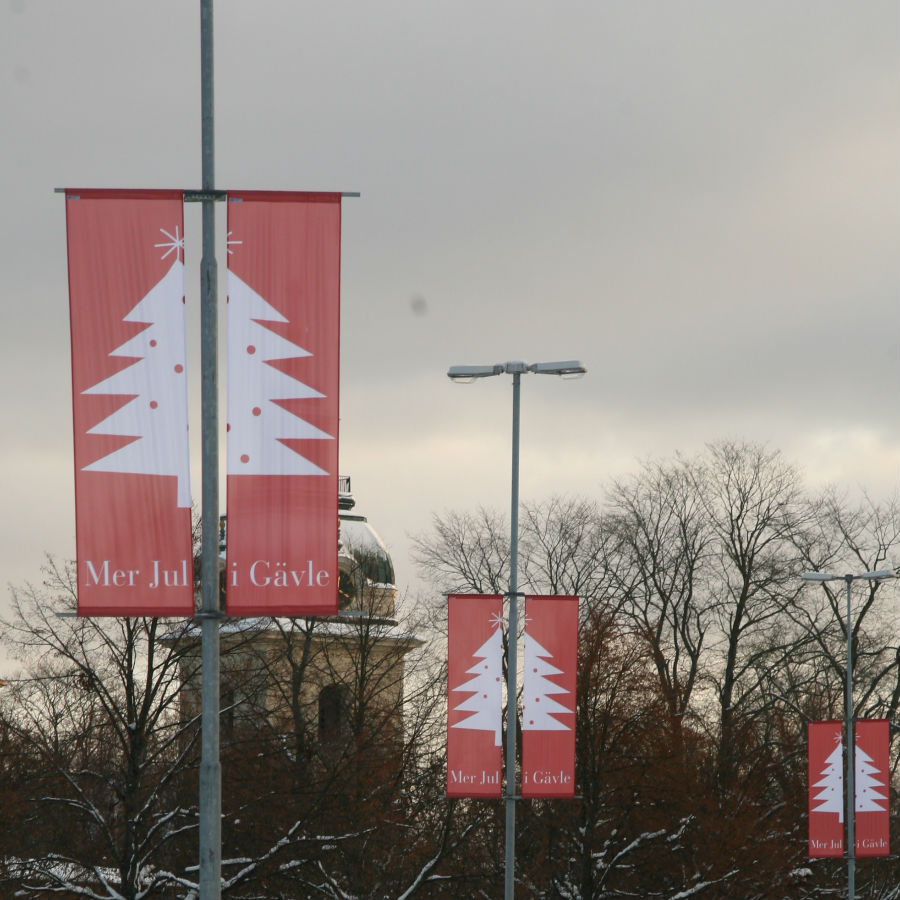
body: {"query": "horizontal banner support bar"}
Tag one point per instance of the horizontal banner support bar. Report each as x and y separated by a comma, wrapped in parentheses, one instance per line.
(192, 196)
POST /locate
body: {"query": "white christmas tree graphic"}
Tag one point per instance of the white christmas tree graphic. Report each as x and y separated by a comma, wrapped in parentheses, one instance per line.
(156, 416)
(486, 688)
(867, 787)
(256, 424)
(831, 784)
(538, 706)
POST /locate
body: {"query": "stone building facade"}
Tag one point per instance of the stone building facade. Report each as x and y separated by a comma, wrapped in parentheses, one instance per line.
(316, 682)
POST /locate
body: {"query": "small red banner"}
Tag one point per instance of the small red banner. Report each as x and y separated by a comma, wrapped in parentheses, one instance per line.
(871, 782)
(826, 789)
(283, 366)
(129, 403)
(475, 695)
(548, 696)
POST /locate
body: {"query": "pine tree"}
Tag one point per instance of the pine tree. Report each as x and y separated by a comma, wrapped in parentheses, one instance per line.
(867, 786)
(256, 424)
(156, 416)
(486, 688)
(831, 795)
(538, 705)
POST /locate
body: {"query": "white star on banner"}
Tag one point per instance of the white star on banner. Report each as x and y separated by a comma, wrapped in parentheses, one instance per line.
(175, 244)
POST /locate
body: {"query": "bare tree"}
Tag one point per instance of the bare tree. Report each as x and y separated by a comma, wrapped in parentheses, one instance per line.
(468, 552)
(693, 566)
(333, 753)
(700, 662)
(753, 500)
(96, 707)
(659, 570)
(562, 549)
(840, 537)
(595, 847)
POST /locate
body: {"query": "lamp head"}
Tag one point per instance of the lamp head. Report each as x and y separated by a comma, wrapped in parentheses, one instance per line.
(569, 367)
(877, 575)
(470, 373)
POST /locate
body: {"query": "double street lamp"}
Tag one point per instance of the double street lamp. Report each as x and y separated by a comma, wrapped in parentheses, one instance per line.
(850, 762)
(516, 369)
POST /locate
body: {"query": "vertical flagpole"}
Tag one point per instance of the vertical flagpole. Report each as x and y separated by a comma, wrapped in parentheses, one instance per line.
(512, 656)
(210, 800)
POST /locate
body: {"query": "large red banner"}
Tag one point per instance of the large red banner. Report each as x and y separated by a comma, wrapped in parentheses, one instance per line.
(871, 782)
(826, 789)
(548, 696)
(475, 695)
(129, 402)
(283, 339)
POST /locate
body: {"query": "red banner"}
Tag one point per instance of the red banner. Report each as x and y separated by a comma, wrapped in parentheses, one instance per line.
(475, 696)
(871, 783)
(283, 342)
(129, 407)
(548, 696)
(826, 789)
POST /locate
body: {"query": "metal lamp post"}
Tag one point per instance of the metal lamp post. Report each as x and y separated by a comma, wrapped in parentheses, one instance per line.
(849, 759)
(516, 369)
(209, 882)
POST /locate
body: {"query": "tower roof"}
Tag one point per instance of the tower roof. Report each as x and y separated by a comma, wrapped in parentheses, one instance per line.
(360, 540)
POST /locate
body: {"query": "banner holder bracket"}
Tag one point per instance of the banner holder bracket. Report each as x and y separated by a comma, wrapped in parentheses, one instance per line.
(200, 196)
(213, 615)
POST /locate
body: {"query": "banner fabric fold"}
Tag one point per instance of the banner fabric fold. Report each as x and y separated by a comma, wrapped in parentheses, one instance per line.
(129, 403)
(826, 789)
(548, 696)
(283, 324)
(475, 694)
(871, 785)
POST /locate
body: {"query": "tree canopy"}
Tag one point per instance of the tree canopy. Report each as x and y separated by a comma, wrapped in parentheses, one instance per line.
(702, 657)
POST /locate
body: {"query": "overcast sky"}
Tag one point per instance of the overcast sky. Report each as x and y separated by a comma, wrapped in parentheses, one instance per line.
(699, 200)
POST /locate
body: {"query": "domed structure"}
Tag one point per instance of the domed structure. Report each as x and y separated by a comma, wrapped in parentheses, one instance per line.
(366, 571)
(303, 676)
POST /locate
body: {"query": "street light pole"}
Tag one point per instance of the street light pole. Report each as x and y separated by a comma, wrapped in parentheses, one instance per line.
(516, 369)
(512, 655)
(850, 755)
(209, 881)
(850, 805)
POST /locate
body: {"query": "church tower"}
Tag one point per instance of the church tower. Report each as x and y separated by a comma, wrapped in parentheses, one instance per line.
(316, 682)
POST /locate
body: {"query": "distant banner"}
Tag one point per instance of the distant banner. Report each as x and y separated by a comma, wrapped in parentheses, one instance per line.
(132, 486)
(283, 340)
(871, 782)
(826, 789)
(475, 701)
(548, 696)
